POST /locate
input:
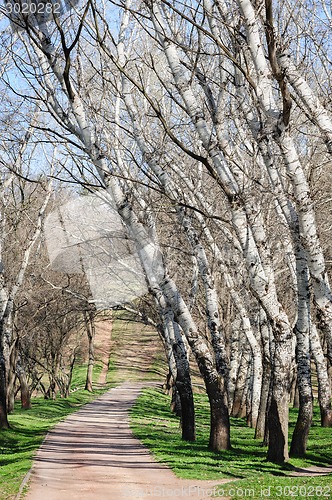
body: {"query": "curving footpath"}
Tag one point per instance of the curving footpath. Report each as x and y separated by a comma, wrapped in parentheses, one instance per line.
(93, 455)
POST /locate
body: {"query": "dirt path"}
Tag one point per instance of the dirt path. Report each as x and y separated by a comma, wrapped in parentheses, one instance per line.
(92, 455)
(103, 342)
(134, 351)
(311, 471)
(137, 353)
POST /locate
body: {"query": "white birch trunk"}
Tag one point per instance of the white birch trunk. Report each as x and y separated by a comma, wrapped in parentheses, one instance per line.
(262, 284)
(318, 113)
(268, 353)
(302, 329)
(324, 387)
(256, 47)
(235, 355)
(309, 237)
(241, 387)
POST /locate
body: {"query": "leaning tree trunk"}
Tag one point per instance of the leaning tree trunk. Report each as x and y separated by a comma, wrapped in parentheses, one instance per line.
(324, 387)
(184, 387)
(179, 368)
(24, 388)
(214, 383)
(302, 329)
(90, 331)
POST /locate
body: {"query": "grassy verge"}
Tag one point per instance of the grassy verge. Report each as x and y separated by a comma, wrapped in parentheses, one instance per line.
(158, 429)
(79, 375)
(29, 427)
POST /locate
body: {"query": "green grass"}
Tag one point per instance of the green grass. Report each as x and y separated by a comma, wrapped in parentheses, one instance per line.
(79, 374)
(29, 427)
(153, 423)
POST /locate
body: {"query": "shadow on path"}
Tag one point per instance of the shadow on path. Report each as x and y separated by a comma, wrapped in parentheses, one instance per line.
(93, 455)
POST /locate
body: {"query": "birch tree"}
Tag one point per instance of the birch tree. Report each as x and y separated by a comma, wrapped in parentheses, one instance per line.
(266, 103)
(200, 112)
(77, 122)
(9, 290)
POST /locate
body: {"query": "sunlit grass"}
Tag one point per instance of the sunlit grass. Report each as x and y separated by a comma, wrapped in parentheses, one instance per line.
(29, 427)
(79, 375)
(154, 424)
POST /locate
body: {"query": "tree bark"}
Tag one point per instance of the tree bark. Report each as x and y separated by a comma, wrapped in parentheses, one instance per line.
(239, 401)
(219, 419)
(182, 395)
(302, 328)
(324, 388)
(90, 330)
(260, 426)
(4, 424)
(304, 419)
(24, 388)
(187, 409)
(268, 349)
(277, 420)
(11, 372)
(235, 358)
(184, 387)
(214, 383)
(318, 113)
